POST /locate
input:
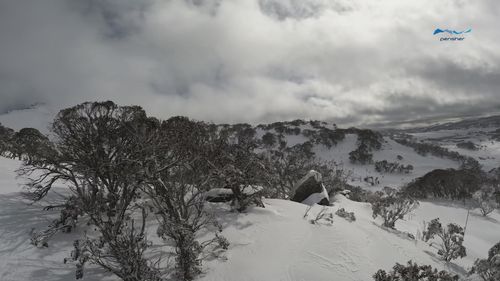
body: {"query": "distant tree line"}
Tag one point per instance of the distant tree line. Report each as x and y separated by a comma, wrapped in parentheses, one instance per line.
(425, 149)
(368, 141)
(392, 167)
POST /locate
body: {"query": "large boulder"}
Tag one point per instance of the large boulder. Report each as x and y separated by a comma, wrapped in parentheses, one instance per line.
(310, 190)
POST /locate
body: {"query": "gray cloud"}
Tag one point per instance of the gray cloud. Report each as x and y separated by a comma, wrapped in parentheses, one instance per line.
(352, 62)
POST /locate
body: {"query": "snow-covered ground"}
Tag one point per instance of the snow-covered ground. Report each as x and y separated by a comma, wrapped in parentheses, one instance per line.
(390, 150)
(488, 153)
(267, 244)
(276, 243)
(19, 260)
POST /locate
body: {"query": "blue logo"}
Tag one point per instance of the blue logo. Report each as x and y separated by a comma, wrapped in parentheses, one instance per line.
(452, 35)
(451, 32)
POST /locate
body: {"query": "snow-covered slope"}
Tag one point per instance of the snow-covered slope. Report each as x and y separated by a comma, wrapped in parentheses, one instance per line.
(39, 117)
(390, 150)
(19, 260)
(267, 244)
(488, 148)
(276, 242)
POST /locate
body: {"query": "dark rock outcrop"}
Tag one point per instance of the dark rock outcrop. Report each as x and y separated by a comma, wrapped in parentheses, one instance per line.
(310, 190)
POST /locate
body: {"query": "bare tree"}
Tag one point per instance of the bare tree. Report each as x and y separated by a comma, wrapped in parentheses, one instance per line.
(485, 199)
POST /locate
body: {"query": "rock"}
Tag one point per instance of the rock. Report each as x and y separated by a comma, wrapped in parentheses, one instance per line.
(310, 190)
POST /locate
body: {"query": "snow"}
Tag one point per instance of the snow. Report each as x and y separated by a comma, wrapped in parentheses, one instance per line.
(390, 150)
(8, 181)
(488, 153)
(267, 244)
(39, 117)
(277, 243)
(315, 198)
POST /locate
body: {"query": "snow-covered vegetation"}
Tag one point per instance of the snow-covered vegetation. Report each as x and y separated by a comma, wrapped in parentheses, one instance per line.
(113, 194)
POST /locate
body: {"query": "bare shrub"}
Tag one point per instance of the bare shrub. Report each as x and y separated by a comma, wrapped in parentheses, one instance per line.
(349, 216)
(485, 199)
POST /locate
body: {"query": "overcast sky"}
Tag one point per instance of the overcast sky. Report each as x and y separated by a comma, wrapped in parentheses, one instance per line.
(348, 61)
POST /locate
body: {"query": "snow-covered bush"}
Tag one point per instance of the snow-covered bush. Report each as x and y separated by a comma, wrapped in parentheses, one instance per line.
(120, 249)
(349, 216)
(467, 145)
(116, 161)
(292, 131)
(98, 153)
(485, 199)
(450, 183)
(237, 167)
(392, 167)
(361, 155)
(334, 175)
(325, 136)
(368, 140)
(269, 139)
(451, 239)
(6, 135)
(28, 144)
(358, 194)
(178, 193)
(392, 205)
(436, 150)
(286, 166)
(488, 269)
(371, 139)
(414, 272)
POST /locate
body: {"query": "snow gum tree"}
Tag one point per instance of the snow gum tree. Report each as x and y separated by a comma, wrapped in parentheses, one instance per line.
(96, 156)
(120, 167)
(485, 199)
(178, 177)
(392, 205)
(286, 166)
(451, 239)
(488, 269)
(238, 168)
(414, 272)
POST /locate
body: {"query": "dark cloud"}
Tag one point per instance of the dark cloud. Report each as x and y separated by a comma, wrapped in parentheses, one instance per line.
(352, 62)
